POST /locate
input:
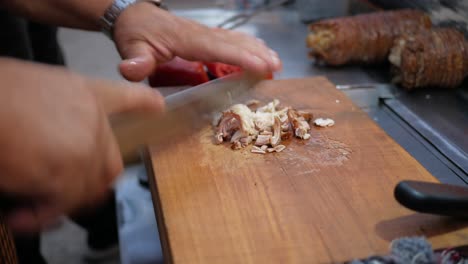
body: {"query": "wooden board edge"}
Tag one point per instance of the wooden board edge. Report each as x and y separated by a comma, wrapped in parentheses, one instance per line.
(160, 220)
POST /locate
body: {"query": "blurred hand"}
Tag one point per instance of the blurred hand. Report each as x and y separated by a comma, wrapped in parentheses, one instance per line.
(147, 36)
(58, 150)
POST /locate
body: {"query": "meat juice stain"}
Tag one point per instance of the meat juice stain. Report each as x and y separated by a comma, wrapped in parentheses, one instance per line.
(318, 151)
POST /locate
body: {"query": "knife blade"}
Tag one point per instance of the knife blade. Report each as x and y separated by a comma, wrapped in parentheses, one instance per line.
(186, 112)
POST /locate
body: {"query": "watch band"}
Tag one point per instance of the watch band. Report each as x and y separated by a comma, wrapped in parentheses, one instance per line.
(111, 14)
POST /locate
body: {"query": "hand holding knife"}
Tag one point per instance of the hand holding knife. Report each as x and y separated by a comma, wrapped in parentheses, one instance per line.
(186, 112)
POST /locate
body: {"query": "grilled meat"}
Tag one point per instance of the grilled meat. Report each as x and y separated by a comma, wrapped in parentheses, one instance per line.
(436, 58)
(365, 38)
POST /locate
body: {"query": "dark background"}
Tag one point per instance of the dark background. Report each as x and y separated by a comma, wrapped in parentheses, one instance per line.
(443, 12)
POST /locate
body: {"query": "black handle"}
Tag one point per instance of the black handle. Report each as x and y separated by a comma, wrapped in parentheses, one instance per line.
(433, 198)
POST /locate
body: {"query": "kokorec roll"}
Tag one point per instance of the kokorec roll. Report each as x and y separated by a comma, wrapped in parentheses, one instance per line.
(365, 38)
(435, 58)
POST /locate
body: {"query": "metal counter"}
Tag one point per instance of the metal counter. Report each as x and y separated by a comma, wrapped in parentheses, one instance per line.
(431, 125)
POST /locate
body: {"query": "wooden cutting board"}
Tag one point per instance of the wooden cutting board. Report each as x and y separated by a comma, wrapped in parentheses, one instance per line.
(328, 199)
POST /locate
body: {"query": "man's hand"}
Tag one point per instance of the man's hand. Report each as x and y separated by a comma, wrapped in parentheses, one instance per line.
(58, 151)
(147, 36)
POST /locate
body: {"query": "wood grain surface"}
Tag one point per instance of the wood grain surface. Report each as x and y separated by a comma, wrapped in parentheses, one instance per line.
(325, 200)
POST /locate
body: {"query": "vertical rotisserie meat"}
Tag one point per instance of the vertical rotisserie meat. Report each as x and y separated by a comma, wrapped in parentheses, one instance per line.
(365, 38)
(435, 58)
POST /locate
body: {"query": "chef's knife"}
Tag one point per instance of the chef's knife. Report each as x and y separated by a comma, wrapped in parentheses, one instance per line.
(186, 112)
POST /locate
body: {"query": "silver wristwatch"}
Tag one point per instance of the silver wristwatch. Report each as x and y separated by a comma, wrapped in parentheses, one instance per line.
(115, 9)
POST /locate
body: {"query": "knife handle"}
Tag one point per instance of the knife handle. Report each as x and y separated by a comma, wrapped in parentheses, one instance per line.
(433, 198)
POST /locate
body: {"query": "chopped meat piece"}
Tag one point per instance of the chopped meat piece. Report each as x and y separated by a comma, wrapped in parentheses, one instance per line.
(227, 126)
(237, 136)
(236, 145)
(293, 118)
(285, 127)
(276, 138)
(219, 138)
(245, 141)
(267, 133)
(264, 147)
(324, 122)
(279, 148)
(258, 150)
(283, 112)
(365, 38)
(300, 126)
(264, 121)
(252, 104)
(238, 117)
(283, 119)
(305, 125)
(262, 140)
(270, 107)
(236, 139)
(246, 117)
(301, 133)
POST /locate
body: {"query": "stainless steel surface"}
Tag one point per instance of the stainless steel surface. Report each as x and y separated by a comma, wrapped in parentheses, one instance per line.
(441, 119)
(310, 10)
(358, 86)
(417, 146)
(186, 111)
(446, 111)
(240, 19)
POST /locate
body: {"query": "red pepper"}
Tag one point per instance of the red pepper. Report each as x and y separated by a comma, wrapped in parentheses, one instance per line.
(179, 72)
(269, 76)
(218, 69)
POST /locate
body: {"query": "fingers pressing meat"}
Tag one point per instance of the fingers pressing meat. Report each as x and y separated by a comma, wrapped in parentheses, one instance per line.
(365, 38)
(437, 58)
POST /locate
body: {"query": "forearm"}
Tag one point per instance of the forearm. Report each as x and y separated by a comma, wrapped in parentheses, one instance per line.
(68, 13)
